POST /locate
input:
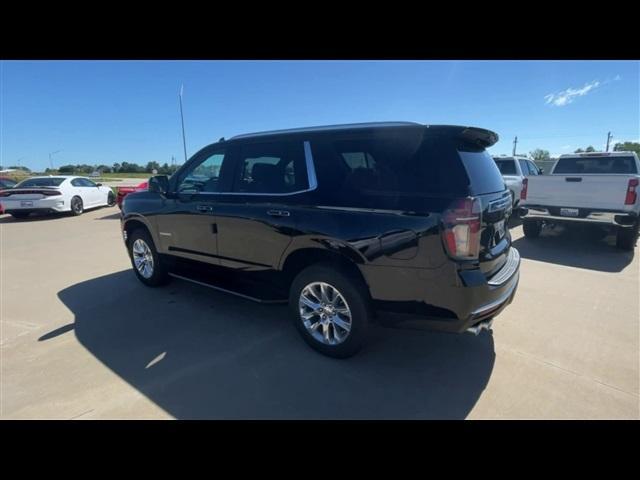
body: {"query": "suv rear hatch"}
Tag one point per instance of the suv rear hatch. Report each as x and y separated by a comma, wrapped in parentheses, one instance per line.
(475, 227)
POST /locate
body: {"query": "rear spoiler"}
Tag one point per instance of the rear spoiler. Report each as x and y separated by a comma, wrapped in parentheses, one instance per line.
(479, 136)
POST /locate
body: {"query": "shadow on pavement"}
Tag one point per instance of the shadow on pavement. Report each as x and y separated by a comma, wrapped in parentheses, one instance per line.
(113, 216)
(575, 247)
(198, 353)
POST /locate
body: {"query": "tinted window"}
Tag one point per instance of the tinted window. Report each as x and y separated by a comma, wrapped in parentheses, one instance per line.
(506, 167)
(6, 183)
(533, 169)
(596, 165)
(483, 173)
(277, 167)
(204, 175)
(41, 182)
(82, 182)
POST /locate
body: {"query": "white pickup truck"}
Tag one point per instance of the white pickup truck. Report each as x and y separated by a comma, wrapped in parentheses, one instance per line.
(514, 170)
(600, 189)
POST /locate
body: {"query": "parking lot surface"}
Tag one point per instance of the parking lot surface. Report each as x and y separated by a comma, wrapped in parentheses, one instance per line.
(82, 338)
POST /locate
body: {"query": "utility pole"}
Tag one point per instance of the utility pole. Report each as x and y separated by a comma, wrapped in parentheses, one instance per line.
(515, 142)
(609, 137)
(50, 160)
(184, 140)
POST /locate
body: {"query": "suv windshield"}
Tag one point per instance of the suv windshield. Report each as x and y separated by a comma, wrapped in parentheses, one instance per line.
(506, 167)
(604, 164)
(41, 182)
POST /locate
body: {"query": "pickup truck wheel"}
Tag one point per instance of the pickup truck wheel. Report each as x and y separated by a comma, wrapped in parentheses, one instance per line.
(627, 237)
(146, 262)
(330, 310)
(532, 228)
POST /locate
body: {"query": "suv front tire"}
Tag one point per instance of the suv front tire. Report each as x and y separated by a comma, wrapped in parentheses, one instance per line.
(147, 264)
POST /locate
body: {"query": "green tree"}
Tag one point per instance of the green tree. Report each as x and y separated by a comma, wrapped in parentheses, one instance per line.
(538, 154)
(627, 147)
(151, 166)
(20, 167)
(588, 149)
(67, 169)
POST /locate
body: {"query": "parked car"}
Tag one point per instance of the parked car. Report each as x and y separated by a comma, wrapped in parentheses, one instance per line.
(514, 170)
(344, 222)
(6, 183)
(124, 191)
(55, 194)
(597, 189)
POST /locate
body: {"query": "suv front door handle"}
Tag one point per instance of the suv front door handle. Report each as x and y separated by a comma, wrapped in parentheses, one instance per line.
(204, 208)
(278, 213)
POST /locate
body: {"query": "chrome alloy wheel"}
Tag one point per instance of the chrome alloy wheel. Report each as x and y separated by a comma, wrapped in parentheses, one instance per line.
(325, 313)
(143, 258)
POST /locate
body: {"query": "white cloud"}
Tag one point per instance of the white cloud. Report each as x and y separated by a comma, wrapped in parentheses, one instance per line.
(570, 94)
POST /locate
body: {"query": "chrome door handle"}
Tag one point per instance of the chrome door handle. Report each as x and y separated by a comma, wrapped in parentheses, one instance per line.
(204, 208)
(278, 213)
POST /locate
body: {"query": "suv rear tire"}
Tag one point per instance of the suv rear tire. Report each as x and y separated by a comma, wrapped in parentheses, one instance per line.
(147, 264)
(626, 237)
(532, 228)
(348, 305)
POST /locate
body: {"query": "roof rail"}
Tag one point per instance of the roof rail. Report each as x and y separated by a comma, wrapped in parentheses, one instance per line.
(328, 127)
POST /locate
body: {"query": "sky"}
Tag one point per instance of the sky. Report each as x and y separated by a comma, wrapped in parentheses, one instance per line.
(102, 112)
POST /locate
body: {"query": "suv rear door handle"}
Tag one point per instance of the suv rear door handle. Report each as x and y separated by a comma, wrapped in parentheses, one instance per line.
(204, 208)
(278, 213)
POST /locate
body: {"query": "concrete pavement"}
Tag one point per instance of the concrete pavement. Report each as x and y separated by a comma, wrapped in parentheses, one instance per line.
(80, 337)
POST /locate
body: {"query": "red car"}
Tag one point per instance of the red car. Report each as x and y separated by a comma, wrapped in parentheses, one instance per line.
(124, 191)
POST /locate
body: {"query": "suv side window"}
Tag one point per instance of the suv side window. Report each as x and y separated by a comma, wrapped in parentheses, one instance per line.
(203, 176)
(271, 168)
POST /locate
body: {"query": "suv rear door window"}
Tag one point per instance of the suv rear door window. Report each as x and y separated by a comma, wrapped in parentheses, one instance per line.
(271, 168)
(596, 165)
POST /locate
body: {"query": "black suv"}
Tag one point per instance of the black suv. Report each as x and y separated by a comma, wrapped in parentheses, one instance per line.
(349, 222)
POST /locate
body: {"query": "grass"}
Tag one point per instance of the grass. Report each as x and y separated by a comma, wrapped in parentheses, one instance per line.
(116, 176)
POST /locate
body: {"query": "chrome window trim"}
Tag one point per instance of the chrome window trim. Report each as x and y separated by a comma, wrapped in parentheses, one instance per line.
(311, 179)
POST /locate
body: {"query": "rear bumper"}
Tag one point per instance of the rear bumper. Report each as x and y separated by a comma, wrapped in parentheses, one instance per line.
(602, 217)
(444, 299)
(43, 205)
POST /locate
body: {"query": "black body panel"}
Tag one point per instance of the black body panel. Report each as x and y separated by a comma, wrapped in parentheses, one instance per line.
(394, 240)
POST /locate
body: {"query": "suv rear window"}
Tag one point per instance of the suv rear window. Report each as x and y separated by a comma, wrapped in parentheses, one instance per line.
(604, 164)
(506, 167)
(404, 163)
(41, 182)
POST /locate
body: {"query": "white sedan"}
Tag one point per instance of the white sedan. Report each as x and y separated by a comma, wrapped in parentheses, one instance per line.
(55, 194)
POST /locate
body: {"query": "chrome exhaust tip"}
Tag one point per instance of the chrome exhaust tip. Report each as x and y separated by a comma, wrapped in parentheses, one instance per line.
(476, 329)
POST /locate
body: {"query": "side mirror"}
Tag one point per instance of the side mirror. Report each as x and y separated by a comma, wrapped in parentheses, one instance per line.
(98, 184)
(540, 171)
(159, 184)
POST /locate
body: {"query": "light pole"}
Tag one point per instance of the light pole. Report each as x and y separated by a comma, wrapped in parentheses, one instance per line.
(184, 140)
(50, 160)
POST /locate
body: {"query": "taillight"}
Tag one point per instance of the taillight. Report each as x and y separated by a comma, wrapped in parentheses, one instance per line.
(51, 193)
(523, 192)
(631, 197)
(461, 228)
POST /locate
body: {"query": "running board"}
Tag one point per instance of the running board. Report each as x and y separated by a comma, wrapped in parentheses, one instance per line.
(232, 292)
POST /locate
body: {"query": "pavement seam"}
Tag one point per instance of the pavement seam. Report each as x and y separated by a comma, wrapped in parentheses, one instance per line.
(540, 360)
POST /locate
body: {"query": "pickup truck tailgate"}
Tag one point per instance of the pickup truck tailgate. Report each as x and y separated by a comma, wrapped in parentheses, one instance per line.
(606, 192)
